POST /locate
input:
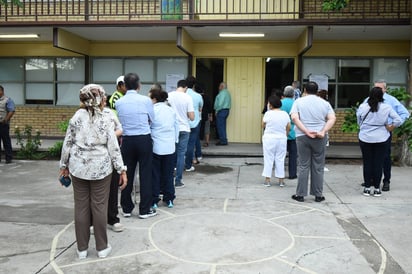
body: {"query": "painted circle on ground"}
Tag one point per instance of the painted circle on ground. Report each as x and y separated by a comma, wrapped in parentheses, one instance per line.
(220, 238)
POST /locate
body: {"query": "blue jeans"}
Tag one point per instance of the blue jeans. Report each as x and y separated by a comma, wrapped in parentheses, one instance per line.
(221, 118)
(194, 135)
(198, 148)
(162, 177)
(181, 148)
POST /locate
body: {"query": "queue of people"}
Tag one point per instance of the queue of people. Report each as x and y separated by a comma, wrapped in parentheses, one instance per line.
(102, 147)
(311, 117)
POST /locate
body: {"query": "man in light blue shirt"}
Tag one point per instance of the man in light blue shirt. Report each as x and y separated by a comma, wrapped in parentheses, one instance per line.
(135, 113)
(404, 114)
(195, 124)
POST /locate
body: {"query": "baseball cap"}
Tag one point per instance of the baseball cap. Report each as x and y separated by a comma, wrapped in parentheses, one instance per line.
(120, 79)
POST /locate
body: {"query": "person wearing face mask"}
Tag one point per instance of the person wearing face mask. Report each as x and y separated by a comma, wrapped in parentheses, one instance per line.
(90, 152)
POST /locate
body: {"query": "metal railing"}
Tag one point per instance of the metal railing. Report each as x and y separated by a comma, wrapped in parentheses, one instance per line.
(103, 11)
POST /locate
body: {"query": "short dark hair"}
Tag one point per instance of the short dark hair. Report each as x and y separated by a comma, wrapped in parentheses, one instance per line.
(182, 83)
(158, 94)
(132, 81)
(191, 81)
(274, 101)
(1, 88)
(311, 87)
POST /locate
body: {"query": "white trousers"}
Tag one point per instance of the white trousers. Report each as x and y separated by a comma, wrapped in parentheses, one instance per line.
(274, 151)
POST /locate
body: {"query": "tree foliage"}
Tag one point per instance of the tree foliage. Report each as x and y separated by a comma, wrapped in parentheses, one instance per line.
(334, 5)
(13, 2)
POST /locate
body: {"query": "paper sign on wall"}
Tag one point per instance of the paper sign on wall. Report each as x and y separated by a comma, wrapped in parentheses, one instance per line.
(321, 80)
(171, 81)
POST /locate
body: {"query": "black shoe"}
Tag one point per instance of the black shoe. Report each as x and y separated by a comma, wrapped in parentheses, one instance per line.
(8, 161)
(292, 177)
(319, 199)
(363, 184)
(221, 144)
(386, 186)
(298, 198)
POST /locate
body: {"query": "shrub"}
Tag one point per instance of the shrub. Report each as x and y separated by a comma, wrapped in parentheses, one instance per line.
(28, 143)
(56, 149)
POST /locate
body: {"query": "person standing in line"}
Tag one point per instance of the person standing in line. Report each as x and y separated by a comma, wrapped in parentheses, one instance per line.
(287, 102)
(165, 135)
(195, 124)
(89, 153)
(373, 117)
(183, 106)
(222, 107)
(297, 92)
(404, 114)
(113, 220)
(313, 117)
(119, 93)
(207, 116)
(276, 125)
(7, 110)
(135, 114)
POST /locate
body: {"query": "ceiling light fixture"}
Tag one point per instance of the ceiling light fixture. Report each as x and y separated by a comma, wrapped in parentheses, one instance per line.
(241, 35)
(18, 36)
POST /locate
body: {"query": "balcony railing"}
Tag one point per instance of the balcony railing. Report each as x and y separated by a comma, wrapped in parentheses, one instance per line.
(162, 11)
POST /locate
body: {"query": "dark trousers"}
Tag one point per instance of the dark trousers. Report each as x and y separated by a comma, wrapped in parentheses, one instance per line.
(292, 158)
(373, 155)
(221, 118)
(5, 138)
(137, 149)
(112, 209)
(387, 161)
(162, 177)
(90, 199)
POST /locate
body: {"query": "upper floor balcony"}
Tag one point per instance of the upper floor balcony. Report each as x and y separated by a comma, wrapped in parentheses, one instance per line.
(202, 12)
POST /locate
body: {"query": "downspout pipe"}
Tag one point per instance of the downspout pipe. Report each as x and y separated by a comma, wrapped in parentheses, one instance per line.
(309, 43)
(179, 44)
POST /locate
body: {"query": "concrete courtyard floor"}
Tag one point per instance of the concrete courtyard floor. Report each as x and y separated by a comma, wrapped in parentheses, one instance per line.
(224, 221)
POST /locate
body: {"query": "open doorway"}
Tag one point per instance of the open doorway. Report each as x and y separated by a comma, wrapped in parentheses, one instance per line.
(209, 74)
(279, 73)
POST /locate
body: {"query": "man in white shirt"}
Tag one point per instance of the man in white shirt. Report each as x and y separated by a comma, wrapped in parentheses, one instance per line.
(183, 106)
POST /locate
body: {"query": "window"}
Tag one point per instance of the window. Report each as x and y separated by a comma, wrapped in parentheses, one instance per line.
(150, 70)
(12, 78)
(57, 81)
(350, 79)
(50, 81)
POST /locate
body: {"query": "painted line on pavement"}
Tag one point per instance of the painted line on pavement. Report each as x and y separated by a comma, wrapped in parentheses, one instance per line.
(54, 246)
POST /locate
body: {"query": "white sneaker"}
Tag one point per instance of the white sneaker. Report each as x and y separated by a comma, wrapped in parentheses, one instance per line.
(91, 230)
(281, 184)
(127, 215)
(192, 168)
(117, 227)
(82, 254)
(267, 184)
(199, 158)
(105, 252)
